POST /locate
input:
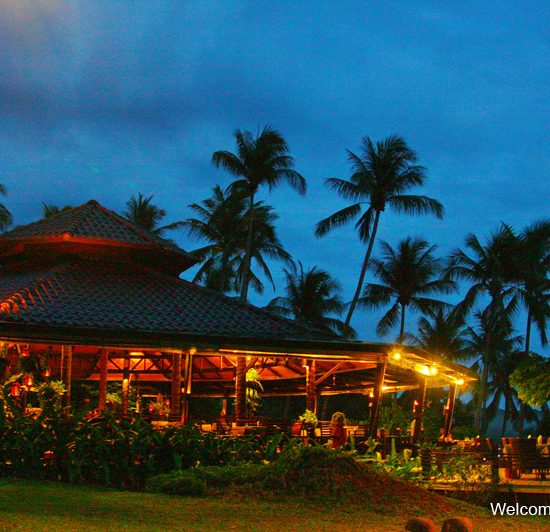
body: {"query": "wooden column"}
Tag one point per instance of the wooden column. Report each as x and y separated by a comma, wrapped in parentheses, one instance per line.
(377, 397)
(419, 408)
(186, 386)
(66, 371)
(103, 362)
(311, 396)
(125, 384)
(240, 388)
(449, 410)
(175, 396)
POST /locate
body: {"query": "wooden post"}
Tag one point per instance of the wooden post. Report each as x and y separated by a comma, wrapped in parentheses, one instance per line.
(419, 409)
(67, 361)
(377, 397)
(103, 363)
(311, 396)
(449, 410)
(175, 397)
(187, 381)
(125, 384)
(240, 388)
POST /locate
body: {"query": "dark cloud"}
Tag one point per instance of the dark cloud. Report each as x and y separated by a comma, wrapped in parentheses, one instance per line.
(106, 99)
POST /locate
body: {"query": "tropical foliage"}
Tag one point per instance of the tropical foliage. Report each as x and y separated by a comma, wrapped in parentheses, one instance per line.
(408, 278)
(5, 215)
(312, 297)
(531, 380)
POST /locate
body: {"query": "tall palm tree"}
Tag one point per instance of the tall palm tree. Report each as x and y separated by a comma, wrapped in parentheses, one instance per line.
(5, 215)
(490, 339)
(311, 297)
(222, 221)
(489, 269)
(408, 276)
(531, 263)
(501, 390)
(442, 332)
(382, 175)
(260, 160)
(49, 209)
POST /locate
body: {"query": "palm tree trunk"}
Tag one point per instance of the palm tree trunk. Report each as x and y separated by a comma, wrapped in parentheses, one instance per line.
(526, 354)
(353, 303)
(402, 328)
(247, 258)
(505, 417)
(481, 416)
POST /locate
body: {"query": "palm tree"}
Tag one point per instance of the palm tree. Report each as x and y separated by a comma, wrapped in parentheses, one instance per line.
(531, 262)
(490, 271)
(222, 221)
(501, 389)
(490, 339)
(260, 160)
(408, 277)
(382, 175)
(311, 297)
(49, 210)
(442, 332)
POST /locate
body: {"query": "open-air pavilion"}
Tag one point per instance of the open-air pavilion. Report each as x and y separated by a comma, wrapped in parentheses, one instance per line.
(100, 299)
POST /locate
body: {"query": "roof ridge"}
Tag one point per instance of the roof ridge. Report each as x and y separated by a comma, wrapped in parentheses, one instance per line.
(148, 235)
(44, 219)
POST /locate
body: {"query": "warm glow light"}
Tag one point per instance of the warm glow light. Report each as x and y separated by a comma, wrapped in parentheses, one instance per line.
(433, 370)
(396, 356)
(136, 353)
(460, 382)
(14, 390)
(25, 352)
(425, 370)
(28, 380)
(192, 350)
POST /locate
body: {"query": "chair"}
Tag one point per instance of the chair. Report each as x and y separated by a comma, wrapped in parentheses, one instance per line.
(525, 457)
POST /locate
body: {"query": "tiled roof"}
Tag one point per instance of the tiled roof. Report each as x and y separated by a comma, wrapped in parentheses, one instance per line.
(89, 221)
(129, 297)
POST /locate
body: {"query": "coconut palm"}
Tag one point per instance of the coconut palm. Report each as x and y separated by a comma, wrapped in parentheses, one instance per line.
(382, 175)
(311, 297)
(5, 215)
(490, 339)
(490, 271)
(531, 262)
(443, 332)
(222, 221)
(49, 210)
(260, 160)
(501, 390)
(532, 265)
(408, 276)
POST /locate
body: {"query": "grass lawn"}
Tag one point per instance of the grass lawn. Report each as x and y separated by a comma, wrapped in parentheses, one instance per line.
(28, 505)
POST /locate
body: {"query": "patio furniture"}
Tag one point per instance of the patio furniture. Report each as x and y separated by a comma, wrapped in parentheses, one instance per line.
(526, 458)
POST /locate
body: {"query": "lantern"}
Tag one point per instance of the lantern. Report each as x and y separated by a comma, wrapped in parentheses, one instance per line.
(46, 373)
(25, 353)
(415, 406)
(28, 380)
(14, 390)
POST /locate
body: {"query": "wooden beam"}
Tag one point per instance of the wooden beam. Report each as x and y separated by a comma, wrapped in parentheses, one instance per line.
(125, 385)
(103, 362)
(377, 397)
(449, 410)
(325, 376)
(175, 396)
(187, 383)
(67, 361)
(419, 405)
(311, 396)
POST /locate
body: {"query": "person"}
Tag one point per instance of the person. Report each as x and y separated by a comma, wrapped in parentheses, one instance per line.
(338, 432)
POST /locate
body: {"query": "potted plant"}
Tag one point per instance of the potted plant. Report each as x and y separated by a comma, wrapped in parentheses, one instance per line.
(307, 423)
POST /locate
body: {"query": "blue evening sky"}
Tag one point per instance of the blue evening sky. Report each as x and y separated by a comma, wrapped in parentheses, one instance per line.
(105, 99)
